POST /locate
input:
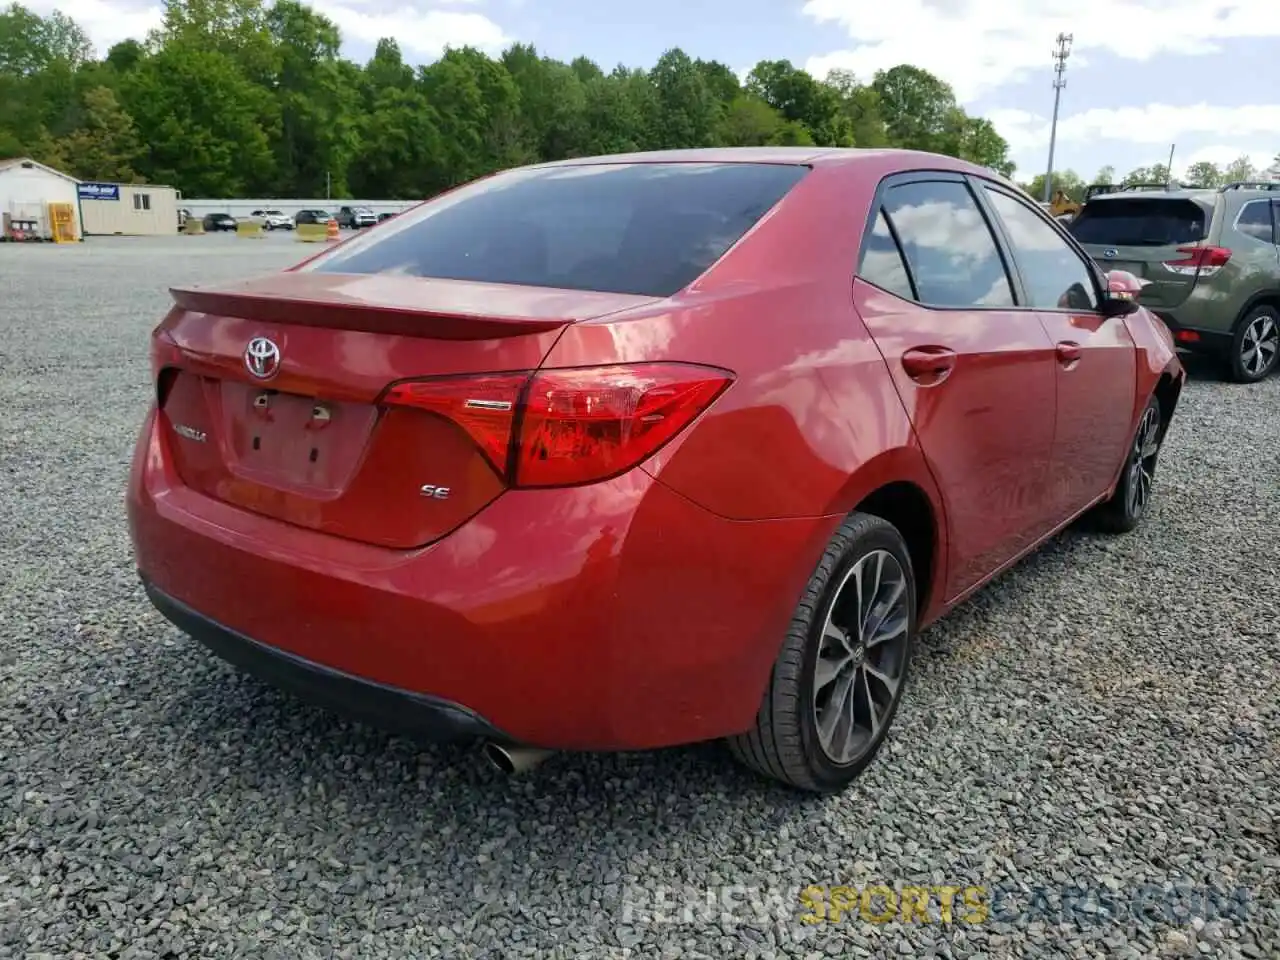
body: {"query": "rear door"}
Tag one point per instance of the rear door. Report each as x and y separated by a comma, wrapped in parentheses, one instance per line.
(975, 373)
(1096, 359)
(1147, 236)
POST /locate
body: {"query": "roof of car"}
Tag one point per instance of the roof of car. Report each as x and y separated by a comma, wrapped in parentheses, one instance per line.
(816, 156)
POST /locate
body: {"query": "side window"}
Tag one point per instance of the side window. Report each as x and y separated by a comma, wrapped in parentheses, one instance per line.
(1056, 277)
(1255, 221)
(953, 257)
(882, 262)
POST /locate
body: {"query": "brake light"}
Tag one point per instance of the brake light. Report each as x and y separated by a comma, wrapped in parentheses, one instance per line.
(165, 358)
(571, 426)
(483, 406)
(1199, 261)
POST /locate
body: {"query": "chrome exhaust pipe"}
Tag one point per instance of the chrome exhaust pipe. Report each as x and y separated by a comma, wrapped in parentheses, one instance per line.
(512, 759)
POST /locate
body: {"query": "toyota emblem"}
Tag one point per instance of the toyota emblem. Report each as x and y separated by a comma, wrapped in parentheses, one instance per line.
(262, 358)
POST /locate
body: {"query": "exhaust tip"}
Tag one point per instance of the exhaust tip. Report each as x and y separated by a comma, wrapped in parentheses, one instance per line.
(512, 760)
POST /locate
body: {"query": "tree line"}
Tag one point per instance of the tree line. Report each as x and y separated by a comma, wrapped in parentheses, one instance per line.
(245, 98)
(242, 98)
(1200, 174)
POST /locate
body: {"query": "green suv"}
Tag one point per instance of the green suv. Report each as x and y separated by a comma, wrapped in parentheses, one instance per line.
(1212, 259)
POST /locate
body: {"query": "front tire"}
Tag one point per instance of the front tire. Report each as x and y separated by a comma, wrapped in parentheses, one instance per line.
(1255, 347)
(1132, 499)
(840, 675)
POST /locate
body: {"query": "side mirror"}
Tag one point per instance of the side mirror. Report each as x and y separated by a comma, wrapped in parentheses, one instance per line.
(1123, 289)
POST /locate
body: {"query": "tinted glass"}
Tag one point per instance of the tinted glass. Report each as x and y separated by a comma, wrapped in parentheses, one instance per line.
(1135, 222)
(882, 262)
(1054, 275)
(953, 256)
(648, 229)
(1255, 220)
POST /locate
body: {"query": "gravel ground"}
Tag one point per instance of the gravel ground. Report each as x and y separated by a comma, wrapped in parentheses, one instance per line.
(1104, 717)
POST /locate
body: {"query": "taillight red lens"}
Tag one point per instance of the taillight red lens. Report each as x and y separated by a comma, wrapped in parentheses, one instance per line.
(575, 426)
(165, 358)
(1201, 260)
(484, 406)
(588, 424)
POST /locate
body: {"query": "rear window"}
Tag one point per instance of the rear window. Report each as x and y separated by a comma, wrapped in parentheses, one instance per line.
(1134, 222)
(649, 229)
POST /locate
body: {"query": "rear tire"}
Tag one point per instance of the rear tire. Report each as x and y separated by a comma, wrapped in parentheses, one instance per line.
(1255, 347)
(1132, 499)
(842, 670)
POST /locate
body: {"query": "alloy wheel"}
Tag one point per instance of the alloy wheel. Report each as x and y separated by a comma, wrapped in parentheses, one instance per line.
(861, 659)
(1142, 462)
(1259, 345)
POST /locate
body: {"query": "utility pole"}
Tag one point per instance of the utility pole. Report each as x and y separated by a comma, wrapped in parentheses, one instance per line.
(1060, 54)
(1168, 169)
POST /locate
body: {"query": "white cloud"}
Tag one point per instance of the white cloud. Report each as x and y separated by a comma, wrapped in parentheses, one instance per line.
(106, 23)
(1252, 130)
(979, 45)
(423, 32)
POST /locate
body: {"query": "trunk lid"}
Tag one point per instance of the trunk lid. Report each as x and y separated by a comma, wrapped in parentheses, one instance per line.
(1142, 234)
(309, 443)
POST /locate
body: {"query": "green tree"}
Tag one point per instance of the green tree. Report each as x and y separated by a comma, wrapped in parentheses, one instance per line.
(1106, 175)
(106, 146)
(687, 111)
(1240, 168)
(553, 103)
(917, 107)
(1068, 181)
(860, 104)
(1204, 174)
(802, 100)
(30, 43)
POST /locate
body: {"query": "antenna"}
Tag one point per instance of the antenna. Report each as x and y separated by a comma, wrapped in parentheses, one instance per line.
(1060, 54)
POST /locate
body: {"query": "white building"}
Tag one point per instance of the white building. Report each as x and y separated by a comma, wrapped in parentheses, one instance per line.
(128, 209)
(26, 190)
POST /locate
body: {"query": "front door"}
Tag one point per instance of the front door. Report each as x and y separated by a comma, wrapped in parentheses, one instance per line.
(975, 374)
(1096, 360)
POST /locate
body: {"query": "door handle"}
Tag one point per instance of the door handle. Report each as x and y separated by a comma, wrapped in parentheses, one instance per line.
(922, 362)
(1068, 352)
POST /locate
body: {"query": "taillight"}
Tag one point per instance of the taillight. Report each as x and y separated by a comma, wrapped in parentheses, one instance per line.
(1199, 261)
(165, 358)
(578, 426)
(564, 427)
(483, 406)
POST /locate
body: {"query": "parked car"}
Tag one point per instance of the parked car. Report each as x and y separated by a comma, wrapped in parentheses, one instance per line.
(312, 216)
(219, 221)
(686, 479)
(1211, 259)
(353, 218)
(274, 219)
(385, 216)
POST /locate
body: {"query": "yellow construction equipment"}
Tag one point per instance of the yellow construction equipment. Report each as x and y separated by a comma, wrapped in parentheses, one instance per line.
(1063, 205)
(62, 221)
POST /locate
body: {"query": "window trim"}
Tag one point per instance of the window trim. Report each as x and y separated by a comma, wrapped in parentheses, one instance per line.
(1090, 267)
(926, 175)
(1275, 214)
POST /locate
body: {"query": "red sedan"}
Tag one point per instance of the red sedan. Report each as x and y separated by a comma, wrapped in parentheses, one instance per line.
(634, 451)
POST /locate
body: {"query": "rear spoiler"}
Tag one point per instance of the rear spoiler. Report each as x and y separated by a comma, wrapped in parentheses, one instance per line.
(407, 306)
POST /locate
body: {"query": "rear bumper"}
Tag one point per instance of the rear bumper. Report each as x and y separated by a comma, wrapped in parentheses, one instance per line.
(1190, 336)
(387, 707)
(612, 616)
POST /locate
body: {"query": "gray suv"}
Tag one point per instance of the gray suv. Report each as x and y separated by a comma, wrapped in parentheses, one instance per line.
(1212, 259)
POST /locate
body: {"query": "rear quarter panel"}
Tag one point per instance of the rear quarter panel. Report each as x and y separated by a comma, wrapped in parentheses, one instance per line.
(812, 422)
(1156, 356)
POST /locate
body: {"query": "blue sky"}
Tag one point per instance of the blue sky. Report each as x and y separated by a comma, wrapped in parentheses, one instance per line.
(1143, 74)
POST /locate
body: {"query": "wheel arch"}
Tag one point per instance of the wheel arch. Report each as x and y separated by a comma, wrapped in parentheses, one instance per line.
(1264, 298)
(906, 505)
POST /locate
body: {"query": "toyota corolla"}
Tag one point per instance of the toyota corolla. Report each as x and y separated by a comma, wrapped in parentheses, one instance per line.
(635, 451)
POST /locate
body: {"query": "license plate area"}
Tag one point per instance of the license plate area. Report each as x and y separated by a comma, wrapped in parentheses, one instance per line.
(295, 442)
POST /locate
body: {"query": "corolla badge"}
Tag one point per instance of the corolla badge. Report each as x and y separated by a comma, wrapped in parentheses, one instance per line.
(1110, 253)
(262, 358)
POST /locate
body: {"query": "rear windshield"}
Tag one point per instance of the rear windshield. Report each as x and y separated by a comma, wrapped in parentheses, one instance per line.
(1136, 222)
(649, 229)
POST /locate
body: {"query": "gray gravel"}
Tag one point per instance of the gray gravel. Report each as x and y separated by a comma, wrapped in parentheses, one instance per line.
(1104, 717)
